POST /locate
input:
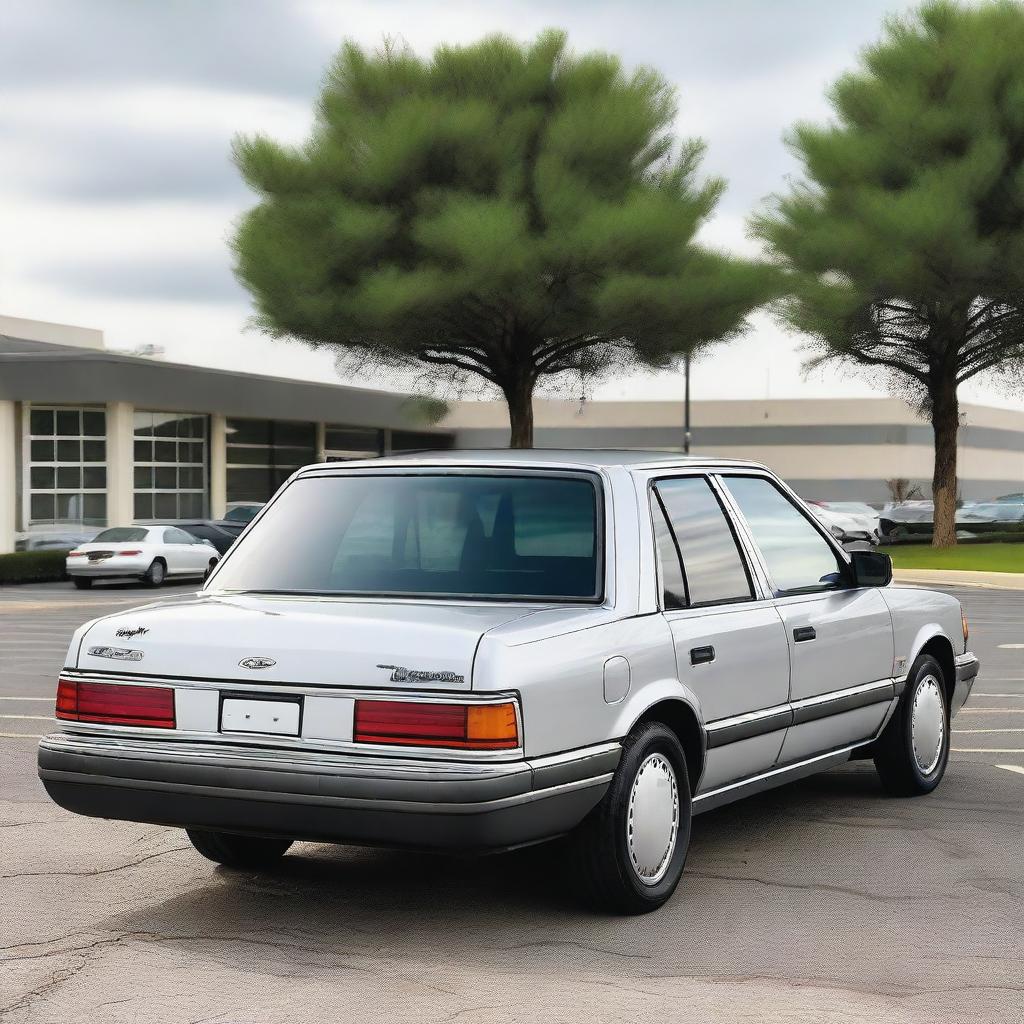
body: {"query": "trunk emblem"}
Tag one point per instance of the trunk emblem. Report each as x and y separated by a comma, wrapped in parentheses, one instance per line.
(116, 653)
(128, 634)
(401, 674)
(257, 663)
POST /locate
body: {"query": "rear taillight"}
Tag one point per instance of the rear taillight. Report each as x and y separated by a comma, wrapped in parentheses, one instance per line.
(135, 552)
(76, 554)
(411, 724)
(80, 700)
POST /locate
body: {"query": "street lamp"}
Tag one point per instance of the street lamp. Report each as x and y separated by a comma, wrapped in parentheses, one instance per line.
(686, 404)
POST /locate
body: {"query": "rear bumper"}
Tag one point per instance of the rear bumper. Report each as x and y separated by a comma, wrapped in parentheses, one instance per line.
(107, 567)
(967, 666)
(326, 797)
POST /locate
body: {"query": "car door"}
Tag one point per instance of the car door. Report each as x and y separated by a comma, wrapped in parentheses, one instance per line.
(179, 552)
(840, 636)
(729, 640)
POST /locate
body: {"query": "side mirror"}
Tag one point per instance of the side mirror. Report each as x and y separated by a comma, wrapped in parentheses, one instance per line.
(871, 568)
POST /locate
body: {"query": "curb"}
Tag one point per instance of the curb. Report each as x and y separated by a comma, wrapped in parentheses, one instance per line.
(960, 578)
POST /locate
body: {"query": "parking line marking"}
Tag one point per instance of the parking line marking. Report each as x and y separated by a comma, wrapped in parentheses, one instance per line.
(26, 698)
(1011, 768)
(1021, 695)
(992, 711)
(1011, 647)
(23, 735)
(987, 750)
(956, 732)
(50, 718)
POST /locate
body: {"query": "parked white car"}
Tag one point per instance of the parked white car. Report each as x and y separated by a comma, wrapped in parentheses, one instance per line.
(476, 651)
(148, 553)
(846, 525)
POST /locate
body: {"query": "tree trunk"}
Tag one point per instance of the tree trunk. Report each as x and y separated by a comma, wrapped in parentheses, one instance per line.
(946, 425)
(519, 398)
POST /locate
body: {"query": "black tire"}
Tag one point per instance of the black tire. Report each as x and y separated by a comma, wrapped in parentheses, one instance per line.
(155, 574)
(82, 582)
(238, 851)
(599, 849)
(903, 769)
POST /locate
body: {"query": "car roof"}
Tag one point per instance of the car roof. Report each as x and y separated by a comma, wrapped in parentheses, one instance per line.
(565, 458)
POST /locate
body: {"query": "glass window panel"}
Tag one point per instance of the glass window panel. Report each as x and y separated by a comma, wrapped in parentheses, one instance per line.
(190, 506)
(164, 451)
(166, 478)
(248, 456)
(354, 439)
(94, 451)
(190, 451)
(143, 451)
(248, 431)
(94, 477)
(143, 478)
(42, 451)
(410, 440)
(69, 477)
(42, 478)
(715, 573)
(249, 484)
(69, 451)
(191, 477)
(298, 434)
(143, 423)
(799, 559)
(673, 588)
(293, 457)
(95, 509)
(143, 506)
(165, 424)
(69, 423)
(165, 506)
(41, 507)
(69, 507)
(94, 423)
(41, 422)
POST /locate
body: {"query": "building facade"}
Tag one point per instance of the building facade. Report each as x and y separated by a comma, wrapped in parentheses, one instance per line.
(827, 449)
(91, 437)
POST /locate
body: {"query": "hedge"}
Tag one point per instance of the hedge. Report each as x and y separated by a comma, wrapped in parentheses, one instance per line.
(32, 566)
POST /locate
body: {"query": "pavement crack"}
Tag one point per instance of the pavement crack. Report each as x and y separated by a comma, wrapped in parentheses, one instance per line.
(98, 871)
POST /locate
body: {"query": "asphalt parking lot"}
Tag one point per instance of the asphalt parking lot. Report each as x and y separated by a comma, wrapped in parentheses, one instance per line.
(824, 900)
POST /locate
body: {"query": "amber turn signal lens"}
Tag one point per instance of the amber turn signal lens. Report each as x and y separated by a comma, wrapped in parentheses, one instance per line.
(963, 619)
(493, 725)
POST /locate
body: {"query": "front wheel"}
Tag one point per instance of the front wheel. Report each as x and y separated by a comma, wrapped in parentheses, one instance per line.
(912, 753)
(628, 854)
(238, 851)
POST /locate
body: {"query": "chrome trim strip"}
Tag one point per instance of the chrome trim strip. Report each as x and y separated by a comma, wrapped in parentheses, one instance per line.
(809, 709)
(773, 777)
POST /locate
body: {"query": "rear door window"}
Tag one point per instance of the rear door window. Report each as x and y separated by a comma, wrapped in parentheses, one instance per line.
(709, 564)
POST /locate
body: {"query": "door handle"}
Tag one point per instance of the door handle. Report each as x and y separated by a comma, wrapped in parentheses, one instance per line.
(802, 633)
(701, 655)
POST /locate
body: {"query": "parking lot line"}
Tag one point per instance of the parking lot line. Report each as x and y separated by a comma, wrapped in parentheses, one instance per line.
(22, 735)
(1020, 695)
(48, 718)
(992, 711)
(987, 750)
(956, 732)
(1011, 768)
(27, 698)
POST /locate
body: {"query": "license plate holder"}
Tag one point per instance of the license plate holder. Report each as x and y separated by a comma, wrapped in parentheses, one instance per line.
(268, 716)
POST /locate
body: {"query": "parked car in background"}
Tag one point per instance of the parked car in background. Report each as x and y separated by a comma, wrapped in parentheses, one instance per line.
(846, 527)
(54, 538)
(243, 512)
(479, 650)
(147, 553)
(1016, 499)
(221, 533)
(917, 519)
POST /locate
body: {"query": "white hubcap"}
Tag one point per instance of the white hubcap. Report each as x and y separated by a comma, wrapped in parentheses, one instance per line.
(653, 822)
(928, 725)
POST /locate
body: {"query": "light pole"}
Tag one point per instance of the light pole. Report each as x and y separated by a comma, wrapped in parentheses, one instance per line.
(686, 404)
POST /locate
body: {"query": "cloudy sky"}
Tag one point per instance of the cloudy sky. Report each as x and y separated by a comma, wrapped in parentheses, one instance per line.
(117, 193)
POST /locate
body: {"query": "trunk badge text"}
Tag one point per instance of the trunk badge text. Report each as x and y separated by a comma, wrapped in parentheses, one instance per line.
(116, 653)
(401, 674)
(257, 663)
(127, 634)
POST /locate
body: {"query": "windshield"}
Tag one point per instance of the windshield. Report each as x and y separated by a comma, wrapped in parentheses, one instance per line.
(451, 535)
(121, 533)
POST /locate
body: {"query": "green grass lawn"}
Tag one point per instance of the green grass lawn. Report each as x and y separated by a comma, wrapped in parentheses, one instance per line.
(981, 557)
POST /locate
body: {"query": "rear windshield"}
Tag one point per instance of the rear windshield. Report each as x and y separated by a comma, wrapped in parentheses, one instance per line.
(452, 535)
(121, 533)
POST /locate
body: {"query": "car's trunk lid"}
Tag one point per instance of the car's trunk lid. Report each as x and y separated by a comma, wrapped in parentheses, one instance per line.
(330, 641)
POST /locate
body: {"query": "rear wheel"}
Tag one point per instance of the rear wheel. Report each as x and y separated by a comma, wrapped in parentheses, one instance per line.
(155, 574)
(628, 854)
(238, 851)
(82, 582)
(912, 753)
